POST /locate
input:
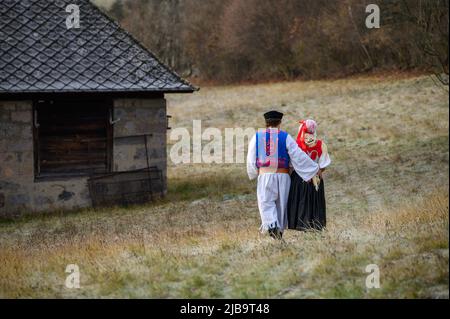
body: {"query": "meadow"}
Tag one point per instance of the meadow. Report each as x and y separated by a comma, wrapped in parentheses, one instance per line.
(387, 204)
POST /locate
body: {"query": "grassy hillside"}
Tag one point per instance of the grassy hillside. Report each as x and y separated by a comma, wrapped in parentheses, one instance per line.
(387, 201)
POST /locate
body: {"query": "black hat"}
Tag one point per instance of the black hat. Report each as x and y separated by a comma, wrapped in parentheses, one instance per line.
(273, 115)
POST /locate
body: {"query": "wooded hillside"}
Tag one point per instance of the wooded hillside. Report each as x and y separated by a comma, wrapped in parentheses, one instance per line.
(251, 40)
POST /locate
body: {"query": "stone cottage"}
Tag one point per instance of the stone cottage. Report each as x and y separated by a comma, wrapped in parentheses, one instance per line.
(75, 103)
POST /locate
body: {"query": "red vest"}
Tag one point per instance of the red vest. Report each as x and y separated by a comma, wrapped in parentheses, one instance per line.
(314, 152)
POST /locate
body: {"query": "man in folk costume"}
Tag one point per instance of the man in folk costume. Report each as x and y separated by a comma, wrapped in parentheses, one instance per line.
(270, 153)
(306, 204)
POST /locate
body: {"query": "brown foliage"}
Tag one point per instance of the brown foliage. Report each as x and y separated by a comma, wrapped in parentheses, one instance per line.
(253, 40)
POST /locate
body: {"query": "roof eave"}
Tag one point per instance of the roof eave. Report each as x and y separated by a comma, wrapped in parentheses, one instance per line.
(29, 95)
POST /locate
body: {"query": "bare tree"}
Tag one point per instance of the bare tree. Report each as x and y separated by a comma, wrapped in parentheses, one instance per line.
(430, 18)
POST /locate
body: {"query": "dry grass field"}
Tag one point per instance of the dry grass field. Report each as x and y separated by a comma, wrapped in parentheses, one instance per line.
(387, 201)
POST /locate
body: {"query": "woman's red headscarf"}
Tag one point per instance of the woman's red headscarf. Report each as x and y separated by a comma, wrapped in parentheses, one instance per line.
(306, 126)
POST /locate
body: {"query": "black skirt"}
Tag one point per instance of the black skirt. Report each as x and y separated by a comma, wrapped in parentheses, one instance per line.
(306, 206)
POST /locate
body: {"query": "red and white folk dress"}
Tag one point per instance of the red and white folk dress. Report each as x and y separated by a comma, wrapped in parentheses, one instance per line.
(306, 203)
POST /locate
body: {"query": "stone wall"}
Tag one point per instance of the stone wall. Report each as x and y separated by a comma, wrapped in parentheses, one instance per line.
(137, 117)
(20, 193)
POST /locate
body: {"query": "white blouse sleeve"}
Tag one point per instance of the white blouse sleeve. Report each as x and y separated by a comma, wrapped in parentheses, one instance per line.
(305, 167)
(324, 160)
(252, 170)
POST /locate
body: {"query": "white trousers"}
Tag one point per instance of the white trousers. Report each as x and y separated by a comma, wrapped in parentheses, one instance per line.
(273, 193)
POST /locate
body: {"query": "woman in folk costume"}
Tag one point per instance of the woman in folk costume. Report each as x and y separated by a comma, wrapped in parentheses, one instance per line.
(270, 154)
(306, 204)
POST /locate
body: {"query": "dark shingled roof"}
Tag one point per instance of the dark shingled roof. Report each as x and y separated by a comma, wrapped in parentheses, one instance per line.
(38, 54)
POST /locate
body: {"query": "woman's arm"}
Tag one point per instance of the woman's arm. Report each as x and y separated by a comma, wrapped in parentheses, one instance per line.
(324, 160)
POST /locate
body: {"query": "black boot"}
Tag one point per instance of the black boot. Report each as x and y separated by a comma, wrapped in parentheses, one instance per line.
(272, 232)
(275, 233)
